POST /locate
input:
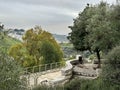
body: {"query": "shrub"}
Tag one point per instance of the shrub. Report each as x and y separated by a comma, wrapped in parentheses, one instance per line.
(111, 69)
(82, 84)
(10, 73)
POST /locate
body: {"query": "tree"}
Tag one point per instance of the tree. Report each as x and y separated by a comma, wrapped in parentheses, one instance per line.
(101, 36)
(16, 52)
(78, 34)
(111, 68)
(38, 45)
(93, 30)
(50, 52)
(19, 53)
(115, 19)
(10, 72)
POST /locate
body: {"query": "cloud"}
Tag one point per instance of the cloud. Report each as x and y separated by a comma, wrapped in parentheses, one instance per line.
(53, 15)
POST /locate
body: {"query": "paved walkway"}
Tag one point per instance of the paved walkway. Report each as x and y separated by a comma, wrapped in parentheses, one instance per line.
(53, 75)
(44, 77)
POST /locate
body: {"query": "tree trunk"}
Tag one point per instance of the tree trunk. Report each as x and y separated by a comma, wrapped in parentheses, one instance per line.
(98, 56)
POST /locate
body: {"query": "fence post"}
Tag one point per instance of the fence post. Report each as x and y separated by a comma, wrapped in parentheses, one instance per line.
(33, 69)
(45, 67)
(51, 66)
(39, 68)
(56, 65)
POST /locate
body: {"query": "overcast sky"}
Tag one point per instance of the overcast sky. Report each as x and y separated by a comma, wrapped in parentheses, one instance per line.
(52, 15)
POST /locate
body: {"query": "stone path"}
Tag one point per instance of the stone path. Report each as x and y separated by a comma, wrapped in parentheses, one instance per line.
(44, 78)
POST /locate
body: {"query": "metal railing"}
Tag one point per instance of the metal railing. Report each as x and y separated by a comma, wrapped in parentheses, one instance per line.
(44, 67)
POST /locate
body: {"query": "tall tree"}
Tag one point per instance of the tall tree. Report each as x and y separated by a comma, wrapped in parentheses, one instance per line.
(94, 32)
(101, 36)
(78, 34)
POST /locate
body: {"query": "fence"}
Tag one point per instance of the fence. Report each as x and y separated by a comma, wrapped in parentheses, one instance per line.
(45, 67)
(32, 74)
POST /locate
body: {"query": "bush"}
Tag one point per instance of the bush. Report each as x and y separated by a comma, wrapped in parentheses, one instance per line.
(10, 73)
(81, 84)
(50, 52)
(92, 57)
(111, 69)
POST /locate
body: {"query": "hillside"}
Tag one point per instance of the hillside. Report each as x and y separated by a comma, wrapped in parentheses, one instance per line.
(60, 38)
(17, 33)
(7, 42)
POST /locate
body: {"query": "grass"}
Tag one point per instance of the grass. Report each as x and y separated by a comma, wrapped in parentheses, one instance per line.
(7, 42)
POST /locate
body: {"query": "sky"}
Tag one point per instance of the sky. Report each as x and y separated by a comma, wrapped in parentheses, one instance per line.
(52, 15)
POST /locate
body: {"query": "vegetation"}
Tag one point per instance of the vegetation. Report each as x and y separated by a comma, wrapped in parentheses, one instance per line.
(50, 53)
(6, 42)
(38, 47)
(81, 84)
(9, 74)
(97, 84)
(111, 69)
(94, 29)
(97, 29)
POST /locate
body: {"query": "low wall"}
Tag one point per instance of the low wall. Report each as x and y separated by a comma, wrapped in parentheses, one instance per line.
(67, 71)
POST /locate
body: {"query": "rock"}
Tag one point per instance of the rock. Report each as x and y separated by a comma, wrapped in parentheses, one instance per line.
(88, 72)
(60, 80)
(68, 69)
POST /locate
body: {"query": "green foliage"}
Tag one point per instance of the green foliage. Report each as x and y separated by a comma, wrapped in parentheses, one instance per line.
(99, 29)
(96, 29)
(81, 84)
(92, 57)
(18, 52)
(10, 73)
(115, 17)
(50, 52)
(73, 85)
(44, 87)
(78, 33)
(111, 69)
(38, 47)
(6, 43)
(69, 51)
(97, 84)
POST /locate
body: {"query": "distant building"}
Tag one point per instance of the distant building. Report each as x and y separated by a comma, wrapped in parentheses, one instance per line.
(16, 33)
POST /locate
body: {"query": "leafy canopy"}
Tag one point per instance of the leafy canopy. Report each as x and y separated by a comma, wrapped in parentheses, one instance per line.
(96, 29)
(38, 47)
